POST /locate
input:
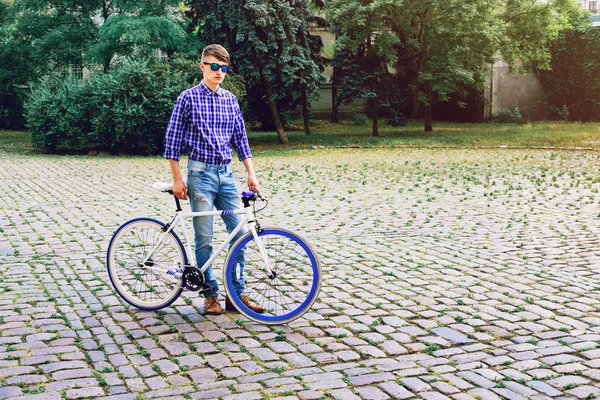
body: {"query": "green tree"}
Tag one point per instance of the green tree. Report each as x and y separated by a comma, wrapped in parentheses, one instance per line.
(270, 47)
(448, 46)
(40, 37)
(573, 84)
(12, 69)
(137, 37)
(54, 34)
(364, 50)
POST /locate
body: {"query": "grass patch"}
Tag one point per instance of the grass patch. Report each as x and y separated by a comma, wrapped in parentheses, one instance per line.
(15, 141)
(445, 134)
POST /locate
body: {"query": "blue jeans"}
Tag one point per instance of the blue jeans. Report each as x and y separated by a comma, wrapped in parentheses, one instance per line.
(214, 185)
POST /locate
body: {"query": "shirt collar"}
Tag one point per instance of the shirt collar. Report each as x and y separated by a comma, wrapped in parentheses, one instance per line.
(206, 90)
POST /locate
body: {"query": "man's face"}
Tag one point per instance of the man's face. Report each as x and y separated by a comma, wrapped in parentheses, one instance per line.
(214, 77)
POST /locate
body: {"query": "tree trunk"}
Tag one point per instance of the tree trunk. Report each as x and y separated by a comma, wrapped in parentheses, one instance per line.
(106, 65)
(427, 114)
(426, 87)
(274, 112)
(334, 108)
(375, 120)
(305, 113)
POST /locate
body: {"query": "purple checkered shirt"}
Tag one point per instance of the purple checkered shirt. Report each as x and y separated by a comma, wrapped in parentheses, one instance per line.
(206, 125)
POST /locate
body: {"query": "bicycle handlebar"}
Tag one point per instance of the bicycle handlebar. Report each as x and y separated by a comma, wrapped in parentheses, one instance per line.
(249, 196)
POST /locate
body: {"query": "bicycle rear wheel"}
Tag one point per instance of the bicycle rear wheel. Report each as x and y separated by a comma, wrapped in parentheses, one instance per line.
(287, 293)
(142, 262)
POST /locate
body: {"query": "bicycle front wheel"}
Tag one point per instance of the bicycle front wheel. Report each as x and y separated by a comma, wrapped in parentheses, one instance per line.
(142, 263)
(286, 291)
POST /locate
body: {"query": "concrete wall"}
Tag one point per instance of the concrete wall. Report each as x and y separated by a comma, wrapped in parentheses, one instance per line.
(510, 90)
(322, 107)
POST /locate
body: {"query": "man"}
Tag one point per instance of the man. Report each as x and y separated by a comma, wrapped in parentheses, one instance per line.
(207, 123)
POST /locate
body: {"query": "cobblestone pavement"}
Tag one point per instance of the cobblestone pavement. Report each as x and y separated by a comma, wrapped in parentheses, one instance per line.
(449, 274)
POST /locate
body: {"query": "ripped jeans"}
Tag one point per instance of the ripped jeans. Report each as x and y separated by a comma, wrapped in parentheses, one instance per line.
(213, 185)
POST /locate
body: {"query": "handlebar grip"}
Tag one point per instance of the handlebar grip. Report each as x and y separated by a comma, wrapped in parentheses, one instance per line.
(248, 194)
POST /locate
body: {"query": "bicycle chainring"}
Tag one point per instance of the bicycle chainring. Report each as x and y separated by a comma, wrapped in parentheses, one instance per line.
(193, 279)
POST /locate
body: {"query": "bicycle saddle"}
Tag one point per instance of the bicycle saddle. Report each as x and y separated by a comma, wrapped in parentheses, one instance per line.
(163, 186)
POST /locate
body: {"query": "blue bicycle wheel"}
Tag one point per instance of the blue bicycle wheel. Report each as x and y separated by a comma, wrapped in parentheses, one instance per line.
(284, 291)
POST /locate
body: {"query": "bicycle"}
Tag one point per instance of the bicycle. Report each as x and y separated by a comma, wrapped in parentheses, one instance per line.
(148, 263)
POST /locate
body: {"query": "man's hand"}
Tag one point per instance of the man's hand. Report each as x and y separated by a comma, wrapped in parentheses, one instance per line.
(179, 189)
(253, 183)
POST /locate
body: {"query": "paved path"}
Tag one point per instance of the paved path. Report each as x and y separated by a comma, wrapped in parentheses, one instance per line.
(448, 274)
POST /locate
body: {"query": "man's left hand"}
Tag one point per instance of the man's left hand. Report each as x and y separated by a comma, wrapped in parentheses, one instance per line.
(253, 183)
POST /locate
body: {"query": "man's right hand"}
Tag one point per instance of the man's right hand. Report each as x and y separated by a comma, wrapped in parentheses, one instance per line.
(179, 189)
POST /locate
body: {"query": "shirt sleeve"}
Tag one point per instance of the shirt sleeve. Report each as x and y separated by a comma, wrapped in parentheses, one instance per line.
(239, 139)
(176, 128)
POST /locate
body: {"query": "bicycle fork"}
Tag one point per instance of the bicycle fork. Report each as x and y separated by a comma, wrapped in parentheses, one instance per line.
(261, 249)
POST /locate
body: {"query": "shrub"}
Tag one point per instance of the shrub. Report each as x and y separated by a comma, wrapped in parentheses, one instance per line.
(397, 118)
(131, 107)
(561, 114)
(359, 118)
(124, 111)
(57, 114)
(507, 116)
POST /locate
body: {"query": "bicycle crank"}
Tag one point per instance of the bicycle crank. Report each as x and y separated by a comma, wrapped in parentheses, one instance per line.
(193, 279)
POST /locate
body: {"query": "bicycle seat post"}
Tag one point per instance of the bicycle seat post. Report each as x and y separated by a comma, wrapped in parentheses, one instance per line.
(176, 200)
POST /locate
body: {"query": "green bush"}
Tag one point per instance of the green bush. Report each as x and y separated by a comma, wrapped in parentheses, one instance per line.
(507, 116)
(131, 107)
(124, 111)
(57, 114)
(359, 118)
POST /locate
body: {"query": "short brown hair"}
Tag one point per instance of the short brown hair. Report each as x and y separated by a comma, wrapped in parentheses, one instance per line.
(217, 51)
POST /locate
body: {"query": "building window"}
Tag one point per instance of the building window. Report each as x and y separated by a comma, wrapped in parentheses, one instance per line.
(160, 54)
(74, 71)
(594, 6)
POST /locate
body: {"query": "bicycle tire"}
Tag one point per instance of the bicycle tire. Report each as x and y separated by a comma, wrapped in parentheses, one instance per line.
(145, 288)
(285, 296)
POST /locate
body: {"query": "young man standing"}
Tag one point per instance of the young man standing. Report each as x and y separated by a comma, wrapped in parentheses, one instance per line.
(207, 123)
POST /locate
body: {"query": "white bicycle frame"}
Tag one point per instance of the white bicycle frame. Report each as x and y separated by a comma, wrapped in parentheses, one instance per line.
(181, 216)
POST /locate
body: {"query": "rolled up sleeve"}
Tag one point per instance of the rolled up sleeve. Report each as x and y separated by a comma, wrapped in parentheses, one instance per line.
(239, 139)
(176, 128)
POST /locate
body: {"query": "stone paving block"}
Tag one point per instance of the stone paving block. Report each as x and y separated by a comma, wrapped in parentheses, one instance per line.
(85, 393)
(584, 392)
(566, 381)
(476, 379)
(507, 394)
(433, 396)
(484, 394)
(415, 385)
(371, 393)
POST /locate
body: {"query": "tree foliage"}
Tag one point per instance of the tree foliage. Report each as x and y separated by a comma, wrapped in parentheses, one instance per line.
(366, 50)
(443, 47)
(270, 46)
(573, 83)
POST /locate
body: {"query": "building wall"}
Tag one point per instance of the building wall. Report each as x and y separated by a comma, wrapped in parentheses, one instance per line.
(592, 5)
(508, 90)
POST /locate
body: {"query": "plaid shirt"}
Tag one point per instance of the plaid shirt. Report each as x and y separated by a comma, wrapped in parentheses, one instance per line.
(206, 125)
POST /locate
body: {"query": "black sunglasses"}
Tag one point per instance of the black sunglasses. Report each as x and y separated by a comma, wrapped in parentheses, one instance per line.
(215, 67)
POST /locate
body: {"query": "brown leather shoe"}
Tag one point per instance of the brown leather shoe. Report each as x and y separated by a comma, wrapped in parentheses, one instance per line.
(212, 306)
(257, 308)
